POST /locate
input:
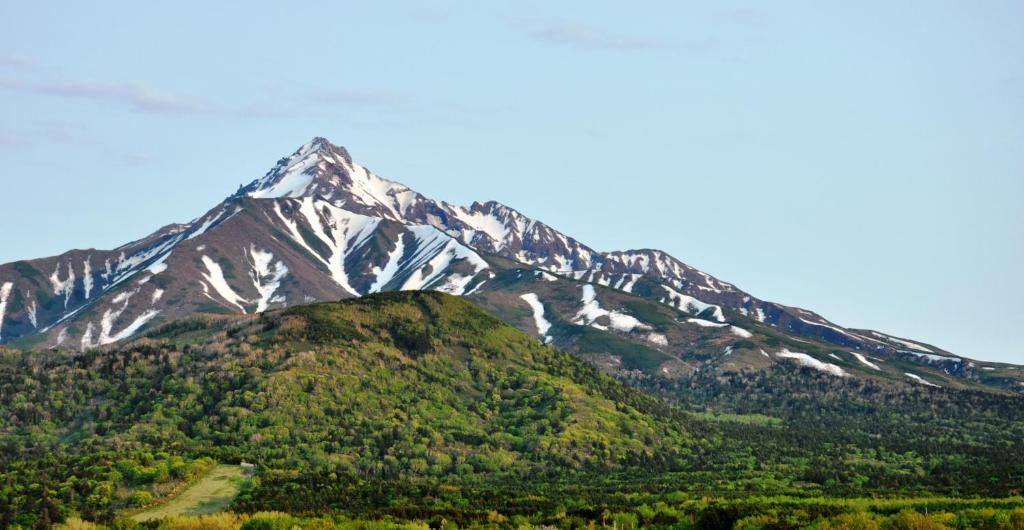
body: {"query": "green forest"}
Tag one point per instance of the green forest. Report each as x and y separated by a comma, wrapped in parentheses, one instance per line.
(419, 409)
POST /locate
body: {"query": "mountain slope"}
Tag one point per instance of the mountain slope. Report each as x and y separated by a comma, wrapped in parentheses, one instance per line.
(319, 226)
(393, 387)
(420, 404)
(244, 256)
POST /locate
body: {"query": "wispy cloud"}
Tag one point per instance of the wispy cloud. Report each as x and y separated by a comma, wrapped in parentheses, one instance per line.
(133, 96)
(9, 140)
(15, 62)
(750, 16)
(576, 35)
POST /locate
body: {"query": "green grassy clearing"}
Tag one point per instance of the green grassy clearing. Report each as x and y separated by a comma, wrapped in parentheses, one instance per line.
(212, 493)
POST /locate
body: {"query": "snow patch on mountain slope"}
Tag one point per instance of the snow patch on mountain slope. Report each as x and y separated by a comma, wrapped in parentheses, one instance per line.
(864, 360)
(920, 379)
(87, 277)
(158, 267)
(5, 293)
(810, 362)
(293, 179)
(740, 332)
(63, 287)
(125, 266)
(930, 357)
(706, 323)
(538, 313)
(266, 276)
(372, 190)
(592, 310)
(759, 314)
(345, 231)
(134, 326)
(110, 317)
(211, 221)
(690, 304)
(626, 282)
(445, 250)
(384, 275)
(157, 294)
(214, 275)
(905, 343)
(30, 310)
(86, 337)
(482, 222)
(547, 276)
(833, 328)
(61, 337)
(657, 338)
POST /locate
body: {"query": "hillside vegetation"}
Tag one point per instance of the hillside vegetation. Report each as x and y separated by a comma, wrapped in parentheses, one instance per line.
(422, 407)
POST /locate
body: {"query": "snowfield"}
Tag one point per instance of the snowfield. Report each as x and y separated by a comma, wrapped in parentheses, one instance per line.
(690, 304)
(592, 310)
(810, 362)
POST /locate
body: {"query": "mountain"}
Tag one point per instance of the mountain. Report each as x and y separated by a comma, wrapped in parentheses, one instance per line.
(319, 226)
(395, 387)
(416, 405)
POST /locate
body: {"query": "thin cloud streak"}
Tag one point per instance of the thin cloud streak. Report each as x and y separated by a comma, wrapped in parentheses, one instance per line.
(16, 63)
(134, 96)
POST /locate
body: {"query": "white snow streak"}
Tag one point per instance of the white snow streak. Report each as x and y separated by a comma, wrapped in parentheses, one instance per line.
(293, 182)
(931, 357)
(488, 224)
(920, 379)
(266, 276)
(215, 277)
(811, 362)
(864, 360)
(384, 275)
(592, 310)
(538, 313)
(907, 343)
(445, 250)
(5, 292)
(690, 304)
(110, 316)
(63, 287)
(738, 331)
(87, 277)
(30, 310)
(706, 323)
(345, 231)
(206, 225)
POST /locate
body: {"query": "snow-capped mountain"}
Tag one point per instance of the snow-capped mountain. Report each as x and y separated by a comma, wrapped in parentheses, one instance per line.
(319, 226)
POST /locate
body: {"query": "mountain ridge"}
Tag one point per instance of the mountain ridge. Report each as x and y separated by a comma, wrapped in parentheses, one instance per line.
(319, 226)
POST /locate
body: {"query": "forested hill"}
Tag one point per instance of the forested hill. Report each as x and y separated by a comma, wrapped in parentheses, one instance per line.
(420, 404)
(386, 387)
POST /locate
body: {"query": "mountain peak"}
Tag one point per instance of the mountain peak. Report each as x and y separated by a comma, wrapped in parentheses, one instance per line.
(319, 144)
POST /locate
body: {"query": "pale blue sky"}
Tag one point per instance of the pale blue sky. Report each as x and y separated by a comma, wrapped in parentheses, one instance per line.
(862, 159)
